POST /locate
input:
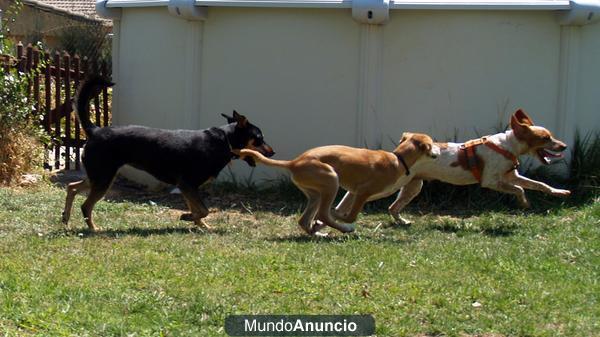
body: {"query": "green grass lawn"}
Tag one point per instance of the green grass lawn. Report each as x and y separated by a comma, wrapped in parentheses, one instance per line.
(476, 273)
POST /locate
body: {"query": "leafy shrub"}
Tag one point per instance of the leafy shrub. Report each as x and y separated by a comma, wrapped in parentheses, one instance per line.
(89, 40)
(584, 172)
(20, 131)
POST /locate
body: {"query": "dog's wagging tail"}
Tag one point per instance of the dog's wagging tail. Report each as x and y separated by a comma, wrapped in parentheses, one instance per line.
(85, 93)
(185, 158)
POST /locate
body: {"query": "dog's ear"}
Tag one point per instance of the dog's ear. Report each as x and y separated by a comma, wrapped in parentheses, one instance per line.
(425, 147)
(228, 118)
(519, 128)
(241, 120)
(405, 136)
(523, 118)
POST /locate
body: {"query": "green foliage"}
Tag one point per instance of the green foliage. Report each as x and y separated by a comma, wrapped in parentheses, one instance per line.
(15, 111)
(585, 162)
(20, 130)
(8, 17)
(89, 40)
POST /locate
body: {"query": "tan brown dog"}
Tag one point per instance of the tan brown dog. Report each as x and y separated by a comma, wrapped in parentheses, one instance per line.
(490, 161)
(366, 175)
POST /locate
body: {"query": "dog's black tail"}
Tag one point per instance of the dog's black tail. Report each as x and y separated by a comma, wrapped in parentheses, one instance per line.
(89, 89)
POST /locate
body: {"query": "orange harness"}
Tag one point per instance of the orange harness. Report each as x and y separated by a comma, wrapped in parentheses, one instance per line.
(473, 163)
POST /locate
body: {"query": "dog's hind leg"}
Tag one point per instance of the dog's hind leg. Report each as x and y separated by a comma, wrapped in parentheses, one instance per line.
(310, 211)
(72, 190)
(405, 196)
(195, 204)
(328, 193)
(97, 191)
(344, 206)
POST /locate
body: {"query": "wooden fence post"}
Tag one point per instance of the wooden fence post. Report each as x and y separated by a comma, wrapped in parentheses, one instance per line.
(57, 102)
(48, 104)
(28, 66)
(20, 63)
(76, 67)
(66, 110)
(36, 80)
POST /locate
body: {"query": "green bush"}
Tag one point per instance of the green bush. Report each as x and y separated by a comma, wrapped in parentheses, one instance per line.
(89, 40)
(584, 171)
(21, 135)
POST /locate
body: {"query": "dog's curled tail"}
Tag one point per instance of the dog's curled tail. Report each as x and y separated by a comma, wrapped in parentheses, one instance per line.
(264, 160)
(89, 89)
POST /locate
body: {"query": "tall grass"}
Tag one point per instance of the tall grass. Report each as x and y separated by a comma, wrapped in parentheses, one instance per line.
(584, 171)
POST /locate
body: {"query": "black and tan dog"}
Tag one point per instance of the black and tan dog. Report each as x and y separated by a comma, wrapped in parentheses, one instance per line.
(185, 158)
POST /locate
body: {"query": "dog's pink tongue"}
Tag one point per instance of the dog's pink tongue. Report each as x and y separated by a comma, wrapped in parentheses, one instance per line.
(552, 155)
(546, 155)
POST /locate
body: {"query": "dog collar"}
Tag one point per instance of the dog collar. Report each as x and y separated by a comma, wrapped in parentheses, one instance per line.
(401, 159)
(233, 154)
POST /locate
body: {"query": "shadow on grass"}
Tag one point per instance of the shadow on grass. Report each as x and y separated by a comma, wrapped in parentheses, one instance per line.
(337, 238)
(140, 232)
(457, 227)
(500, 231)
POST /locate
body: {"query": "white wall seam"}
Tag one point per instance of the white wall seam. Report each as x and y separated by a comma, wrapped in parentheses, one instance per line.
(116, 48)
(570, 44)
(193, 54)
(370, 86)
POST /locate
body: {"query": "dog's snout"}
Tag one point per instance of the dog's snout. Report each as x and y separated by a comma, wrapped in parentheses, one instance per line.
(558, 146)
(267, 150)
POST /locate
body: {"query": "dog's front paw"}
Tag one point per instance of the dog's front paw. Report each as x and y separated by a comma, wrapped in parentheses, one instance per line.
(186, 217)
(202, 225)
(316, 228)
(400, 220)
(524, 203)
(561, 193)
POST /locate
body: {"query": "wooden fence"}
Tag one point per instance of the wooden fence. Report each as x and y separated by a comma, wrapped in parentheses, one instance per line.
(52, 88)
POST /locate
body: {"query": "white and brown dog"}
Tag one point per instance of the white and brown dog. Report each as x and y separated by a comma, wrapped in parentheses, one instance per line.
(490, 161)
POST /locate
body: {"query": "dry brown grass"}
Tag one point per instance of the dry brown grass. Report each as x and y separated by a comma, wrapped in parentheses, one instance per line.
(20, 153)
